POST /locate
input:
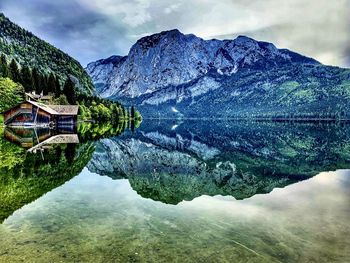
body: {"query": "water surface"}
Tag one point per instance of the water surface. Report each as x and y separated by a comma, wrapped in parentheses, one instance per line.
(183, 192)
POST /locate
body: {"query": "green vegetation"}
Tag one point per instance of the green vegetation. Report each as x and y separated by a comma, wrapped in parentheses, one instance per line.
(308, 92)
(33, 53)
(102, 110)
(26, 176)
(89, 131)
(11, 155)
(31, 79)
(293, 92)
(91, 108)
(11, 94)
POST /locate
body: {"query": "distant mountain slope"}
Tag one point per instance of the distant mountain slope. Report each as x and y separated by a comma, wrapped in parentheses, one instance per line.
(29, 50)
(174, 75)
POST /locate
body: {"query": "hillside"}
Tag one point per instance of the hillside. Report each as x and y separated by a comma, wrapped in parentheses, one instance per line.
(29, 50)
(175, 75)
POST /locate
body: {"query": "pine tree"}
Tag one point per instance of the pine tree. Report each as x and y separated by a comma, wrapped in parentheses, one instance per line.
(69, 153)
(3, 59)
(45, 84)
(4, 69)
(15, 75)
(27, 79)
(36, 81)
(51, 83)
(57, 88)
(69, 91)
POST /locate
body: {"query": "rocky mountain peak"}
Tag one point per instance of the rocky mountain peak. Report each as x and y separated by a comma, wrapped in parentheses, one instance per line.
(154, 40)
(245, 41)
(167, 60)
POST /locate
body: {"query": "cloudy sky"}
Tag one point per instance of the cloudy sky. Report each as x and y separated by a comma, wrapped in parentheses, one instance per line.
(93, 29)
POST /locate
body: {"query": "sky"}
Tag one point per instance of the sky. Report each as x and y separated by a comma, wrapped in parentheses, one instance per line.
(90, 30)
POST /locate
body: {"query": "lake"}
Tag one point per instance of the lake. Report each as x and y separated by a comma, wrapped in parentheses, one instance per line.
(183, 191)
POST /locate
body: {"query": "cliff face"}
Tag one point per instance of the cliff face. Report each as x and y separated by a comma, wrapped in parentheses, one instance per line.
(172, 74)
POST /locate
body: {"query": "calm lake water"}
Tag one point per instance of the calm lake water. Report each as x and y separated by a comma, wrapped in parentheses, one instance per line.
(171, 191)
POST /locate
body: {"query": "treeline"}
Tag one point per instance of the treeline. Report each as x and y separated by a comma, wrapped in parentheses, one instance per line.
(101, 110)
(91, 107)
(34, 80)
(89, 132)
(31, 80)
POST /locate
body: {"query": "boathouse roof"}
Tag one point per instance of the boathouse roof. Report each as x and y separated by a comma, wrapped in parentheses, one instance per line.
(44, 107)
(54, 109)
(65, 109)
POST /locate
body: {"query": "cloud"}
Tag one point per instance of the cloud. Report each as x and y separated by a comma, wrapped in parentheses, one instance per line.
(81, 32)
(93, 29)
(171, 8)
(132, 13)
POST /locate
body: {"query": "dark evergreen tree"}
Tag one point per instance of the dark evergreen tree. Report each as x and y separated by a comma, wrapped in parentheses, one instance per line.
(45, 84)
(69, 91)
(27, 79)
(3, 59)
(4, 69)
(51, 83)
(57, 87)
(15, 74)
(132, 125)
(36, 81)
(69, 153)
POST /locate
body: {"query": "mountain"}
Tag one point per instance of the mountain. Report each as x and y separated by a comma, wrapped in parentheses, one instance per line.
(174, 75)
(171, 162)
(29, 50)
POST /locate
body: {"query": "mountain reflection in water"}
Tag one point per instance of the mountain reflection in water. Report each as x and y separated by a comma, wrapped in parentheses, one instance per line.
(240, 159)
(171, 162)
(93, 201)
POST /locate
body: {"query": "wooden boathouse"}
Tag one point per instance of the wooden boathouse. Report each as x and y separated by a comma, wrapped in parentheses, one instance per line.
(34, 113)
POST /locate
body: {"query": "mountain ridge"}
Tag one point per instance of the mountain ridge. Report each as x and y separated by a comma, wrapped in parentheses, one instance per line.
(219, 49)
(171, 70)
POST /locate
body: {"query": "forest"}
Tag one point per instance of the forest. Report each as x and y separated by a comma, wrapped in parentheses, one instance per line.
(32, 52)
(16, 80)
